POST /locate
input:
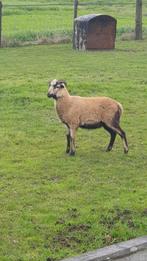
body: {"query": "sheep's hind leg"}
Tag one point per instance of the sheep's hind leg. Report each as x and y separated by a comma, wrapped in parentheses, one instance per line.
(112, 137)
(122, 134)
(124, 139)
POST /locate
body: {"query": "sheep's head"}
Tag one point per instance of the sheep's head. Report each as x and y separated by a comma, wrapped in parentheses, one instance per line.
(55, 89)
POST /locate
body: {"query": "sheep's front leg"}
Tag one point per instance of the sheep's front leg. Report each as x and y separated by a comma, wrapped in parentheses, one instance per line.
(68, 142)
(72, 142)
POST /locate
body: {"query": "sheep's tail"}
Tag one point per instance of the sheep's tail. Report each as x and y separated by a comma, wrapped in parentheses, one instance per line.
(120, 107)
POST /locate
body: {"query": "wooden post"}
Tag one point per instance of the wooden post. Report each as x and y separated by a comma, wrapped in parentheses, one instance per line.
(0, 23)
(74, 16)
(138, 27)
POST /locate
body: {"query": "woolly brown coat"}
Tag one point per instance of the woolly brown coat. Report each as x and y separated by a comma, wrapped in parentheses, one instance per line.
(86, 112)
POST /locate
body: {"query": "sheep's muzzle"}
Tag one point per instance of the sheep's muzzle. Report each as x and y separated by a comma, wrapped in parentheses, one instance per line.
(51, 96)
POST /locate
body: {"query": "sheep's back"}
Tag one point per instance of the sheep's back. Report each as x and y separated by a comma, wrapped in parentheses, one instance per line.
(86, 110)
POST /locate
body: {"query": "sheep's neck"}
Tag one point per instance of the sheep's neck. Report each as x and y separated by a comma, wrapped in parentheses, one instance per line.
(61, 106)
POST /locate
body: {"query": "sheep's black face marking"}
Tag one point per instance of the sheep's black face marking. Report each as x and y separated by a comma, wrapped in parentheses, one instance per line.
(59, 84)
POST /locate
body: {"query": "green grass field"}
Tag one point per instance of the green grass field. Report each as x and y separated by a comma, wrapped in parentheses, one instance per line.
(52, 205)
(26, 23)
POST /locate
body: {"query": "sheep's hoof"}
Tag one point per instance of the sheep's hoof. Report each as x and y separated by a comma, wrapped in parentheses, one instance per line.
(67, 151)
(72, 153)
(108, 149)
(126, 151)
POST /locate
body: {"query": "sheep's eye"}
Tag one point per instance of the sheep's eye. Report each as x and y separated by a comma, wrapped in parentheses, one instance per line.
(57, 86)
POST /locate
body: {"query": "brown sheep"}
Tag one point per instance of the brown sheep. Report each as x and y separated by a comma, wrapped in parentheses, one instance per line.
(86, 112)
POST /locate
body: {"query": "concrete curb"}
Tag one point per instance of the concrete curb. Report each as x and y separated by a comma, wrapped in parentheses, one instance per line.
(116, 252)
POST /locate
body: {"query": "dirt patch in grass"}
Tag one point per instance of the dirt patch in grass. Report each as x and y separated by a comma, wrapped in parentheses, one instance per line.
(115, 216)
(70, 235)
(79, 227)
(144, 213)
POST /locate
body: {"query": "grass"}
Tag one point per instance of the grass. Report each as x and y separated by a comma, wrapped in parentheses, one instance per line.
(32, 23)
(51, 205)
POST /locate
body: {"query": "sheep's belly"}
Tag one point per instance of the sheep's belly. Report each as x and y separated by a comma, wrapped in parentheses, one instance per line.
(91, 125)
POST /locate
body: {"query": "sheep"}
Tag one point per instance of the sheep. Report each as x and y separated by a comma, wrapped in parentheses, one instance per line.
(86, 112)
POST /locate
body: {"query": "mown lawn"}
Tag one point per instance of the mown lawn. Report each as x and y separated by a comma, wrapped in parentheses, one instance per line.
(52, 205)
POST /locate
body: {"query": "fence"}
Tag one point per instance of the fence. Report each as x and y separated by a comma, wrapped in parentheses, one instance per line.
(43, 23)
(0, 22)
(25, 23)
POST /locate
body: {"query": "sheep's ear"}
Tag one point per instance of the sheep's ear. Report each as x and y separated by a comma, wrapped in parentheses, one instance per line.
(49, 83)
(62, 84)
